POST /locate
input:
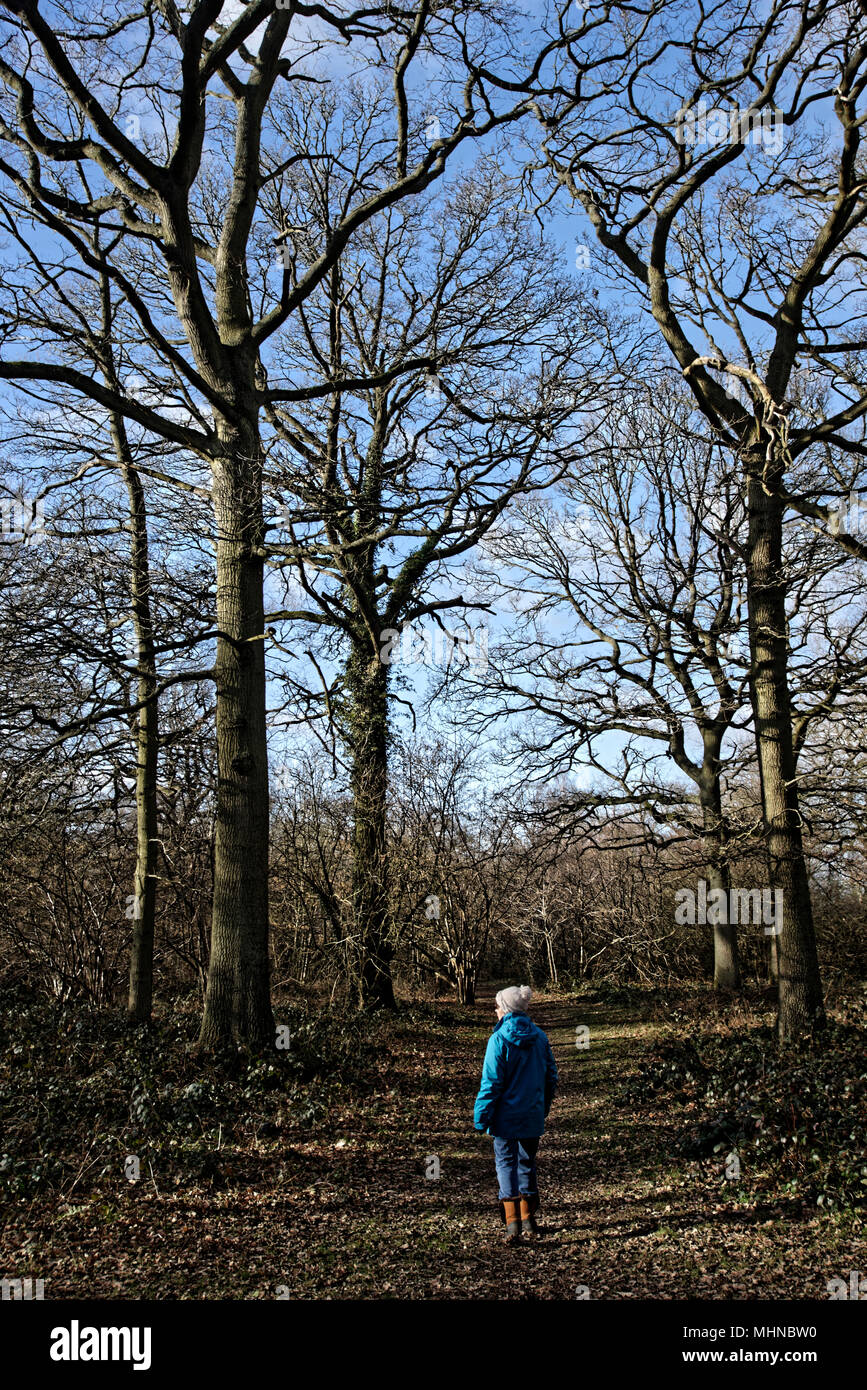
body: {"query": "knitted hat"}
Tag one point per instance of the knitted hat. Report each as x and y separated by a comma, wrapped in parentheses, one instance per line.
(515, 1000)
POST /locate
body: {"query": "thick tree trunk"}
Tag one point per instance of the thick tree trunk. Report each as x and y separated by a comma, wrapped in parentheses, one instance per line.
(801, 1008)
(726, 966)
(238, 1001)
(147, 750)
(367, 679)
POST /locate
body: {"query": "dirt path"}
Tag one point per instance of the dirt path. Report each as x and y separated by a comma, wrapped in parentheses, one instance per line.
(343, 1209)
(623, 1219)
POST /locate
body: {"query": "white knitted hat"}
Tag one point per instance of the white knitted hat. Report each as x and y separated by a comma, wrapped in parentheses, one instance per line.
(516, 999)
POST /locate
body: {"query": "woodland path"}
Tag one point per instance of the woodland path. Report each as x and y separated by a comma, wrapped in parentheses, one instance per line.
(342, 1208)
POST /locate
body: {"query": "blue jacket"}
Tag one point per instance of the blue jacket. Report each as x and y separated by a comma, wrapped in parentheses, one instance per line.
(519, 1079)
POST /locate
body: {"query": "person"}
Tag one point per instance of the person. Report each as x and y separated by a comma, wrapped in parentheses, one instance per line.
(519, 1079)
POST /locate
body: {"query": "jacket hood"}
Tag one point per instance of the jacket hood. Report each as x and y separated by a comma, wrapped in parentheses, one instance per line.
(518, 1029)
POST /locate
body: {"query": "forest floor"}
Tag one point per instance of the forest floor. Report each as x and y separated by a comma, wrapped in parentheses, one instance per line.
(341, 1207)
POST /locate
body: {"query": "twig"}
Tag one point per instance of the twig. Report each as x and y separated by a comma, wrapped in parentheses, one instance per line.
(154, 1181)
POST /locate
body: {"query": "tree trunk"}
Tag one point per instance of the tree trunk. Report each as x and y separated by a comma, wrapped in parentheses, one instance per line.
(774, 960)
(465, 980)
(801, 1008)
(238, 1000)
(553, 976)
(141, 965)
(726, 966)
(140, 1001)
(367, 681)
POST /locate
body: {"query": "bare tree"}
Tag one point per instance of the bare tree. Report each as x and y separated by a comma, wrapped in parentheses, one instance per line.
(740, 227)
(630, 631)
(166, 127)
(382, 496)
(465, 869)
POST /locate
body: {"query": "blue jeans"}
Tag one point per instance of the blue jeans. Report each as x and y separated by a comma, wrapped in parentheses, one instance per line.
(516, 1167)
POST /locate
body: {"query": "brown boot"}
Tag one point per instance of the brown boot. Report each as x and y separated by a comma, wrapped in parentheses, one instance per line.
(512, 1213)
(528, 1218)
